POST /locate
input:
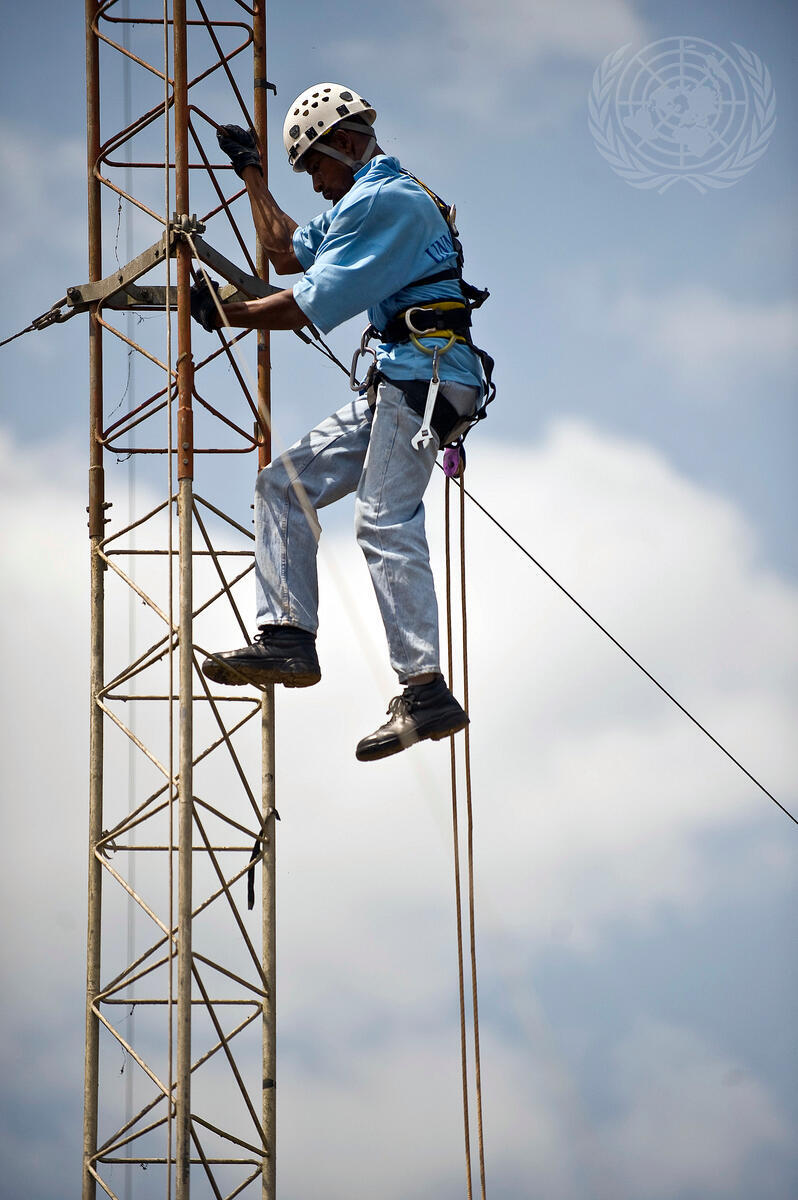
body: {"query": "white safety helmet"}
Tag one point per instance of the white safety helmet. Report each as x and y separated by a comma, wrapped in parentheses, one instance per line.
(316, 111)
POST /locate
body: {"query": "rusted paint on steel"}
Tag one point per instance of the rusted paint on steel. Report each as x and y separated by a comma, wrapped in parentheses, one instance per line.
(186, 1150)
(96, 529)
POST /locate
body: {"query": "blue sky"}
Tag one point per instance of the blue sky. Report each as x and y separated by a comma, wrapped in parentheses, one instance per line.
(637, 894)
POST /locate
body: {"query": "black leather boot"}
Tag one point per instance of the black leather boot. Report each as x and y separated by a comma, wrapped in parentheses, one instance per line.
(279, 654)
(424, 710)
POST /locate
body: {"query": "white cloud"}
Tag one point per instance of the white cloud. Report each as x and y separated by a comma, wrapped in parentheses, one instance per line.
(592, 802)
(685, 1120)
(521, 32)
(706, 339)
(415, 1088)
(497, 72)
(676, 1091)
(703, 335)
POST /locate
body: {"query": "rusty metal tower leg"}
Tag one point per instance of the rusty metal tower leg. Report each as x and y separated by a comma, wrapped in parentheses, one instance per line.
(96, 525)
(185, 473)
(268, 800)
(269, 1186)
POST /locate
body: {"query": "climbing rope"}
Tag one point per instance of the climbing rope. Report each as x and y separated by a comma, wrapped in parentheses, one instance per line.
(456, 844)
(470, 831)
(470, 849)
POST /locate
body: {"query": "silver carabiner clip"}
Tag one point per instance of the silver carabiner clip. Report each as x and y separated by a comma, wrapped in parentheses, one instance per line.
(409, 322)
(361, 352)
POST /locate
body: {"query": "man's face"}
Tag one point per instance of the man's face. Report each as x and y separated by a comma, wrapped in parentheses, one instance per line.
(330, 177)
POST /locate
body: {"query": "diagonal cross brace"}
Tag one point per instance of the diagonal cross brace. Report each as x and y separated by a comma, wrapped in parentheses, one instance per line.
(120, 289)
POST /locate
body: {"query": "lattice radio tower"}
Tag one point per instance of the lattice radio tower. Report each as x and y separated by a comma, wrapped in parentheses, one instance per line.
(184, 1006)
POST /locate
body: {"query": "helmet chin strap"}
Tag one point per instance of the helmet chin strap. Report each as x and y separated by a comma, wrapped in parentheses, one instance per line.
(354, 163)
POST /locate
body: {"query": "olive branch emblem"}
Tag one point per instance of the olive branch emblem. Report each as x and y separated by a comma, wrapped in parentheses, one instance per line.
(612, 143)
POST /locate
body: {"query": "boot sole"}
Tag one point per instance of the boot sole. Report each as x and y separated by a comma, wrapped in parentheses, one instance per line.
(259, 675)
(388, 748)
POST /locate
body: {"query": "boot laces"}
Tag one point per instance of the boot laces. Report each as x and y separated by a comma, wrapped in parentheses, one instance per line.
(402, 706)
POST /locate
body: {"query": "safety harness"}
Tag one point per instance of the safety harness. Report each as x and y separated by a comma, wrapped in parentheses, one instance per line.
(446, 318)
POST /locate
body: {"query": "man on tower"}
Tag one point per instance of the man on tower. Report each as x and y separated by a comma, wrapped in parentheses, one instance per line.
(389, 246)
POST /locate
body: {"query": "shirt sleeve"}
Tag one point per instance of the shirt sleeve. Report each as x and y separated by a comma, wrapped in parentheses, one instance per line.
(306, 239)
(370, 252)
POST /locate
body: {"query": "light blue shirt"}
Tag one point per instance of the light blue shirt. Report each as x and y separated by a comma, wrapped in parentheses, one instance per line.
(365, 252)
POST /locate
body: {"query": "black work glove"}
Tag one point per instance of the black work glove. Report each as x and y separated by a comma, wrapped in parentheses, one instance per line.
(203, 307)
(240, 147)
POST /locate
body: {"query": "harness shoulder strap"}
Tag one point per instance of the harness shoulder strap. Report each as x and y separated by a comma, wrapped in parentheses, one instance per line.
(473, 296)
(443, 207)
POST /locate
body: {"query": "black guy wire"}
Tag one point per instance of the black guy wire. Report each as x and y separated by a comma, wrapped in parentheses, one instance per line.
(327, 352)
(317, 342)
(630, 656)
(614, 640)
(14, 336)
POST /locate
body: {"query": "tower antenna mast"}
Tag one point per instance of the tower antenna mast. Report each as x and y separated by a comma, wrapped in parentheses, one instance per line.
(202, 1048)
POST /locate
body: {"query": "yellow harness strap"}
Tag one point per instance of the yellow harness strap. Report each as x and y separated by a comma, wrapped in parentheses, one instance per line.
(446, 334)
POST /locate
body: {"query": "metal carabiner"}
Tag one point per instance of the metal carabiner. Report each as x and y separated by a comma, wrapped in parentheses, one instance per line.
(409, 321)
(436, 350)
(416, 333)
(361, 352)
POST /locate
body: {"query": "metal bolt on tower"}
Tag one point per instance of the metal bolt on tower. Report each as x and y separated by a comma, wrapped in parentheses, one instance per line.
(190, 1010)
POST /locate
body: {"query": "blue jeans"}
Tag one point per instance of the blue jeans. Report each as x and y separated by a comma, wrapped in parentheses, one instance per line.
(368, 451)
